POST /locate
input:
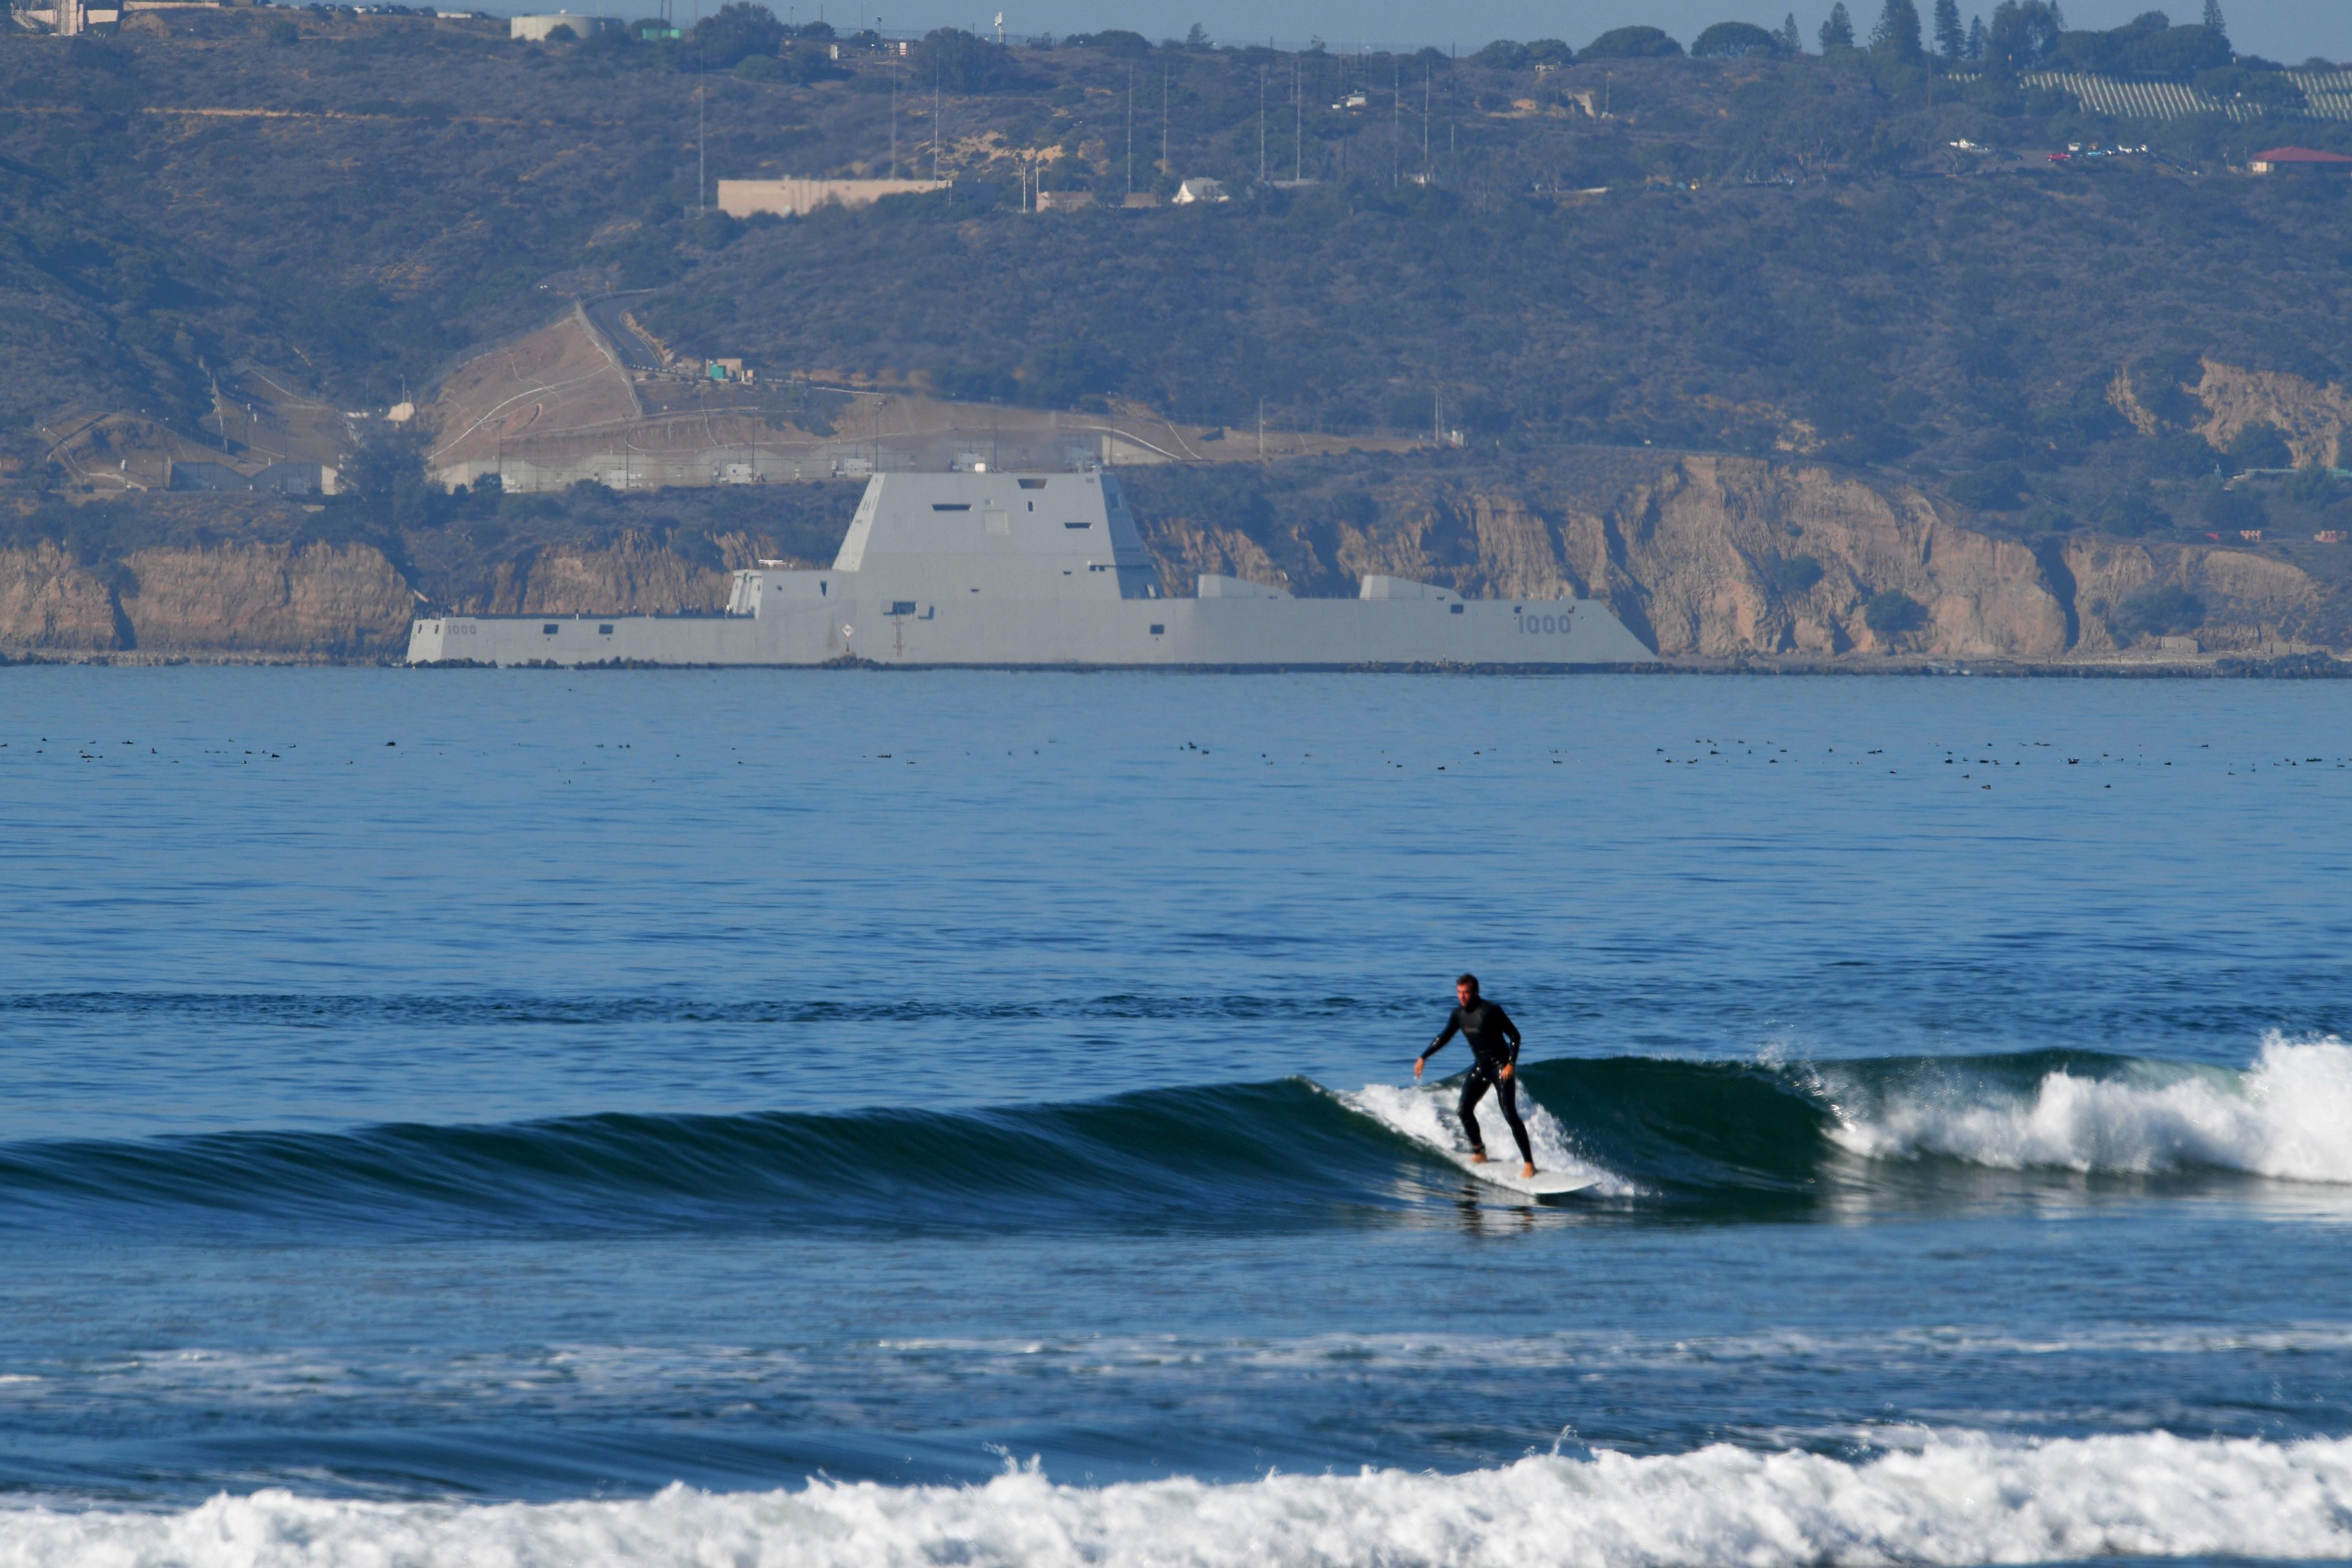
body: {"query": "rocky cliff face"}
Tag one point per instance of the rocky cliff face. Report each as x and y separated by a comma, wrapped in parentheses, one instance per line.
(1705, 557)
(1717, 558)
(318, 601)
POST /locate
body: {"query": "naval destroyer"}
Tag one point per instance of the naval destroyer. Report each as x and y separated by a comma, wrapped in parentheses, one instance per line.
(1011, 569)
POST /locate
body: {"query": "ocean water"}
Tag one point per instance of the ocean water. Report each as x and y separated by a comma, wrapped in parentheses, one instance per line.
(890, 1120)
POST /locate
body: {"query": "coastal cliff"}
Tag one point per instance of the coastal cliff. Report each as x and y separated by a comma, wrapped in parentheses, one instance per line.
(1709, 559)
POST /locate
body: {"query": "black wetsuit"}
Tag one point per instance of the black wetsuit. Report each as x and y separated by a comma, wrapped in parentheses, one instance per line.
(1494, 1041)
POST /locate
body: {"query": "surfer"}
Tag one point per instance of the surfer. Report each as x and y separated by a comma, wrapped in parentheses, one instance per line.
(1494, 1041)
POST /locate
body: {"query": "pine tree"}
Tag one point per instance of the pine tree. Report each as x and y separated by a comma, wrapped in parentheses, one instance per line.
(1897, 33)
(1951, 42)
(1976, 39)
(2214, 19)
(1791, 40)
(1837, 33)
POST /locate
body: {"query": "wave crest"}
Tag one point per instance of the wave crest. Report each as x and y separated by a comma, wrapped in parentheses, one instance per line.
(2289, 1116)
(1963, 1498)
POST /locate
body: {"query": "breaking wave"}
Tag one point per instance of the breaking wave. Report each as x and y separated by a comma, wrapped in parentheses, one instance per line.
(2288, 1117)
(1233, 1156)
(1951, 1500)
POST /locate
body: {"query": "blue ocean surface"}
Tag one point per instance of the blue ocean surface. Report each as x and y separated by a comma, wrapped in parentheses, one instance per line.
(862, 1119)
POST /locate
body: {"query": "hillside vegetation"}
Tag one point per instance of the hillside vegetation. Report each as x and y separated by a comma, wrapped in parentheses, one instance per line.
(1863, 258)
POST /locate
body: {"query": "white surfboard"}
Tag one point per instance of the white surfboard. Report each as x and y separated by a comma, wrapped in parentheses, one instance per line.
(1425, 1116)
(1503, 1171)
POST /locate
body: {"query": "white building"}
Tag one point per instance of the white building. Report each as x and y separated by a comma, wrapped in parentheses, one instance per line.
(535, 29)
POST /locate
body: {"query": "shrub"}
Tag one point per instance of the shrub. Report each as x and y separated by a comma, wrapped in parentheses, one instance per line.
(1789, 575)
(562, 33)
(966, 63)
(2132, 513)
(1993, 488)
(2156, 612)
(2313, 484)
(1890, 612)
(1634, 43)
(2226, 508)
(284, 34)
(2259, 446)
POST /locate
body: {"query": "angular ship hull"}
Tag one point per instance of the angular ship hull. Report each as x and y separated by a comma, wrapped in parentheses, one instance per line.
(1014, 570)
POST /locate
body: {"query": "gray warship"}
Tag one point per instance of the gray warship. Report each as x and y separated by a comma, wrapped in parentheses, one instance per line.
(1038, 569)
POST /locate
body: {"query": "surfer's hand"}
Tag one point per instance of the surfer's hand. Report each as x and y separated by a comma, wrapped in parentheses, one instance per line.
(1417, 1065)
(1506, 1073)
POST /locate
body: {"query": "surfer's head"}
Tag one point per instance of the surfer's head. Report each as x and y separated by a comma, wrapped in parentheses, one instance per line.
(1465, 986)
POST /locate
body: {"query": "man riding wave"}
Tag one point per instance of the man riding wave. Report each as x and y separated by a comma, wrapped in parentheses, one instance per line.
(1494, 1042)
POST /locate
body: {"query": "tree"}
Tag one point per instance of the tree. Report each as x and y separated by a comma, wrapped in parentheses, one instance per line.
(1734, 40)
(1897, 36)
(734, 32)
(2213, 23)
(1792, 42)
(388, 475)
(1837, 33)
(1976, 39)
(964, 62)
(2022, 33)
(1630, 44)
(1951, 41)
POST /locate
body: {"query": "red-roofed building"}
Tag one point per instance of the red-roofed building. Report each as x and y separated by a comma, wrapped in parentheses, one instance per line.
(2299, 161)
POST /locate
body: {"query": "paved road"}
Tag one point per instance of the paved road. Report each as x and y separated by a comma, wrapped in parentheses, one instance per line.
(634, 351)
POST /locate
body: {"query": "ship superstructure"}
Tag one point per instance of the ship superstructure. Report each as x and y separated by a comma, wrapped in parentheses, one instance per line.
(1038, 569)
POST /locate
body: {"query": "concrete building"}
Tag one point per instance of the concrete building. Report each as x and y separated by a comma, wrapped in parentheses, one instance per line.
(1064, 201)
(1196, 191)
(535, 29)
(797, 197)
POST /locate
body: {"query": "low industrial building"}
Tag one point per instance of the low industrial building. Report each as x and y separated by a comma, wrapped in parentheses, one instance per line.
(2298, 161)
(799, 197)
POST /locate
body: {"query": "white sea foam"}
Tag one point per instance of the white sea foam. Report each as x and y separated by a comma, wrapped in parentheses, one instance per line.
(1955, 1499)
(1428, 1116)
(2288, 1116)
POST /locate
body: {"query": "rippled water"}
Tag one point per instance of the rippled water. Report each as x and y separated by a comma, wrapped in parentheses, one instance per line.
(434, 1091)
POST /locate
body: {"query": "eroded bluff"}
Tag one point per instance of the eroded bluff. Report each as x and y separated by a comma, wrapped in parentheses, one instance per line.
(1703, 557)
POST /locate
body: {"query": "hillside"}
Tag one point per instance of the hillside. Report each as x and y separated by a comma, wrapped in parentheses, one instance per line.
(1763, 257)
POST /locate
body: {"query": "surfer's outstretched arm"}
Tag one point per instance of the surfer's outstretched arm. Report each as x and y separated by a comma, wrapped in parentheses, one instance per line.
(1453, 1027)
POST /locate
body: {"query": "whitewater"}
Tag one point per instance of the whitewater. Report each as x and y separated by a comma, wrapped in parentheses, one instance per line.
(1951, 1499)
(2288, 1116)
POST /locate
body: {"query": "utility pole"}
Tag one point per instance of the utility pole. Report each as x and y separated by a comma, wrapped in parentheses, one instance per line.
(894, 119)
(1424, 126)
(1261, 125)
(1130, 129)
(1166, 166)
(1297, 124)
(935, 125)
(701, 119)
(1396, 124)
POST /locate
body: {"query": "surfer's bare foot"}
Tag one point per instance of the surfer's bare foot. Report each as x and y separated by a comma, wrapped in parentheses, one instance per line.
(1528, 1168)
(1477, 1157)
